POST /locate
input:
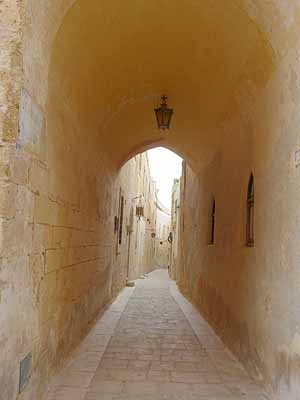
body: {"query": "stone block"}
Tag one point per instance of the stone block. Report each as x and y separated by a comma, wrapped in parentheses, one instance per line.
(38, 178)
(15, 237)
(77, 255)
(106, 387)
(31, 122)
(25, 203)
(19, 172)
(78, 379)
(120, 375)
(85, 361)
(47, 297)
(189, 377)
(5, 153)
(45, 211)
(67, 393)
(5, 172)
(37, 270)
(8, 193)
(61, 236)
(42, 238)
(159, 376)
(54, 259)
(112, 363)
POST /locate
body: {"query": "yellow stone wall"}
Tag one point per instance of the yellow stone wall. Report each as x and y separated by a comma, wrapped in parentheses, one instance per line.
(162, 246)
(59, 261)
(138, 246)
(250, 294)
(176, 226)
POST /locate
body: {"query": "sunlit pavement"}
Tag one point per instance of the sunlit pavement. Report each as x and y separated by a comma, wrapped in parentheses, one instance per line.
(152, 344)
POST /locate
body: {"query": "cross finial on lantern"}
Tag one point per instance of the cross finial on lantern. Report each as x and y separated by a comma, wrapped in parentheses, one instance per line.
(164, 99)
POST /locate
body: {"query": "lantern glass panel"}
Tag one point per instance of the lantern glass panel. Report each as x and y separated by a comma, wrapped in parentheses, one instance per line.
(163, 115)
(159, 116)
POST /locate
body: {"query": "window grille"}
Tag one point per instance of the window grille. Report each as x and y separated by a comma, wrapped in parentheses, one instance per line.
(121, 219)
(212, 222)
(250, 213)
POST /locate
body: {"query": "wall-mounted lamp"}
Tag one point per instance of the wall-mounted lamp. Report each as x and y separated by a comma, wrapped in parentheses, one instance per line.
(163, 115)
(139, 212)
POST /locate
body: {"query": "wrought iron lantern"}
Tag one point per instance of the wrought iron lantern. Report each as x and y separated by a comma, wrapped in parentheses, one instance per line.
(140, 212)
(163, 115)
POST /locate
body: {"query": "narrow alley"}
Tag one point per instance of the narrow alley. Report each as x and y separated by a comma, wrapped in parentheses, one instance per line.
(152, 344)
(103, 245)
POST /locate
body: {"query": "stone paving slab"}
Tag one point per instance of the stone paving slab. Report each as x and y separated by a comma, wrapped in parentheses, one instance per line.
(152, 344)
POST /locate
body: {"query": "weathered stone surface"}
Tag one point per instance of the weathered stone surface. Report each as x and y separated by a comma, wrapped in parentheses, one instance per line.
(32, 121)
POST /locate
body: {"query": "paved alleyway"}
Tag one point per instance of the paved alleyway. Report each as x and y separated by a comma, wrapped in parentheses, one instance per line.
(152, 344)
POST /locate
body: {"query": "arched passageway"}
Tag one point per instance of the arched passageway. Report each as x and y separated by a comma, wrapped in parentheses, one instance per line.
(86, 75)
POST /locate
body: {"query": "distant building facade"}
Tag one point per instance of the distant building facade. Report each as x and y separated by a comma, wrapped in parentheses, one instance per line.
(175, 227)
(142, 225)
(135, 221)
(163, 226)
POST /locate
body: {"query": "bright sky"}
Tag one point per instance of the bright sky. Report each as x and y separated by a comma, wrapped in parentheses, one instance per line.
(165, 166)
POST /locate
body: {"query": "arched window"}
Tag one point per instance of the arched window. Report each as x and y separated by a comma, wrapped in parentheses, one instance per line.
(250, 213)
(212, 222)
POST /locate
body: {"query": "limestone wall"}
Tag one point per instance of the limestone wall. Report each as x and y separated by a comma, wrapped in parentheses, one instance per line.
(162, 250)
(139, 244)
(60, 263)
(251, 294)
(176, 228)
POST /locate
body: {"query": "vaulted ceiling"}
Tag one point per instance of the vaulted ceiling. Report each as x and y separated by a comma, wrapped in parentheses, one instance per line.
(111, 60)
